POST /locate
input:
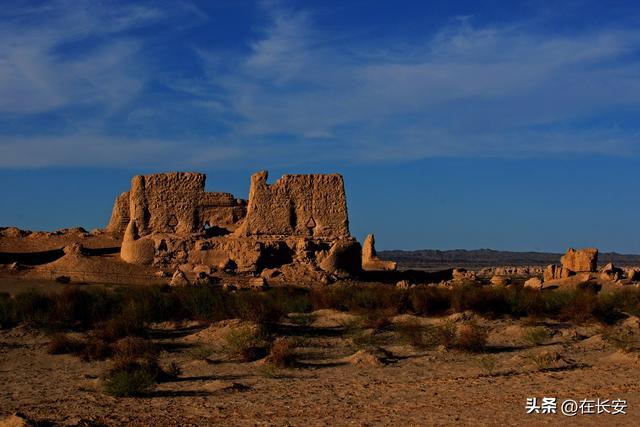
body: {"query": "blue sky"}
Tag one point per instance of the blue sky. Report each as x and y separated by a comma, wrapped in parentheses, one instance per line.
(467, 124)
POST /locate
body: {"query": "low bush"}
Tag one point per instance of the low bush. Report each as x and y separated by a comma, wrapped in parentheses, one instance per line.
(488, 364)
(544, 361)
(124, 311)
(200, 352)
(131, 348)
(8, 311)
(282, 353)
(61, 343)
(95, 349)
(471, 337)
(303, 320)
(427, 336)
(246, 342)
(134, 368)
(536, 335)
(412, 333)
(130, 379)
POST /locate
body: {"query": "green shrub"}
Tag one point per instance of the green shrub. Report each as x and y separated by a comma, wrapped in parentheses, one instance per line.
(132, 379)
(245, 342)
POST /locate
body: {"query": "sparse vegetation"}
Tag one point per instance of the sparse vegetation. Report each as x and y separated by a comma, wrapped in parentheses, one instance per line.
(621, 338)
(246, 342)
(134, 368)
(488, 364)
(412, 333)
(121, 312)
(544, 360)
(282, 353)
(303, 320)
(61, 343)
(200, 352)
(471, 337)
(536, 335)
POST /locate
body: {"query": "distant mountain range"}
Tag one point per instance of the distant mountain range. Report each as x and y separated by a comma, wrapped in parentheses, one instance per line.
(478, 258)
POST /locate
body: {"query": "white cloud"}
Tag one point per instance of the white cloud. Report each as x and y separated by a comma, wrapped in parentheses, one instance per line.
(300, 94)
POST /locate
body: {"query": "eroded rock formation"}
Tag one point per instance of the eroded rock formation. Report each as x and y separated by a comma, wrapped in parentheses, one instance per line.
(579, 261)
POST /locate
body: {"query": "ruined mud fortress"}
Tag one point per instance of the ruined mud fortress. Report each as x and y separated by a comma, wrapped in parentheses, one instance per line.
(298, 225)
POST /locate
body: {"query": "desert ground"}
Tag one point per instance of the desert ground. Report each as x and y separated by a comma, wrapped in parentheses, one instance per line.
(348, 369)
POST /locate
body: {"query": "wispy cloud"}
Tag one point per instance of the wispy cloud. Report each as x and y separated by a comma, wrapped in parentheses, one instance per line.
(299, 93)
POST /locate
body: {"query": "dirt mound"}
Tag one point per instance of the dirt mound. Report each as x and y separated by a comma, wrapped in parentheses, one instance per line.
(370, 357)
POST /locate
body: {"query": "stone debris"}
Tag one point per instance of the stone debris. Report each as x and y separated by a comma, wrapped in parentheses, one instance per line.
(403, 284)
(611, 273)
(534, 283)
(179, 279)
(500, 281)
(462, 275)
(257, 284)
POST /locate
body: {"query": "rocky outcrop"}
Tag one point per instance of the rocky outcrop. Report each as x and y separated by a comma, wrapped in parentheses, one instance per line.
(461, 274)
(553, 272)
(579, 261)
(370, 260)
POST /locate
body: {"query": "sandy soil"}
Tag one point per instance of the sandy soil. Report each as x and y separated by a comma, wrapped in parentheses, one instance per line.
(434, 387)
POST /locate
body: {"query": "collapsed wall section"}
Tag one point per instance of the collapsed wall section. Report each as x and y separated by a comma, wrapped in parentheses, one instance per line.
(221, 210)
(174, 203)
(297, 205)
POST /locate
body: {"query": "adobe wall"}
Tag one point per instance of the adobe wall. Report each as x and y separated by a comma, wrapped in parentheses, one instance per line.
(120, 214)
(297, 205)
(176, 203)
(167, 202)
